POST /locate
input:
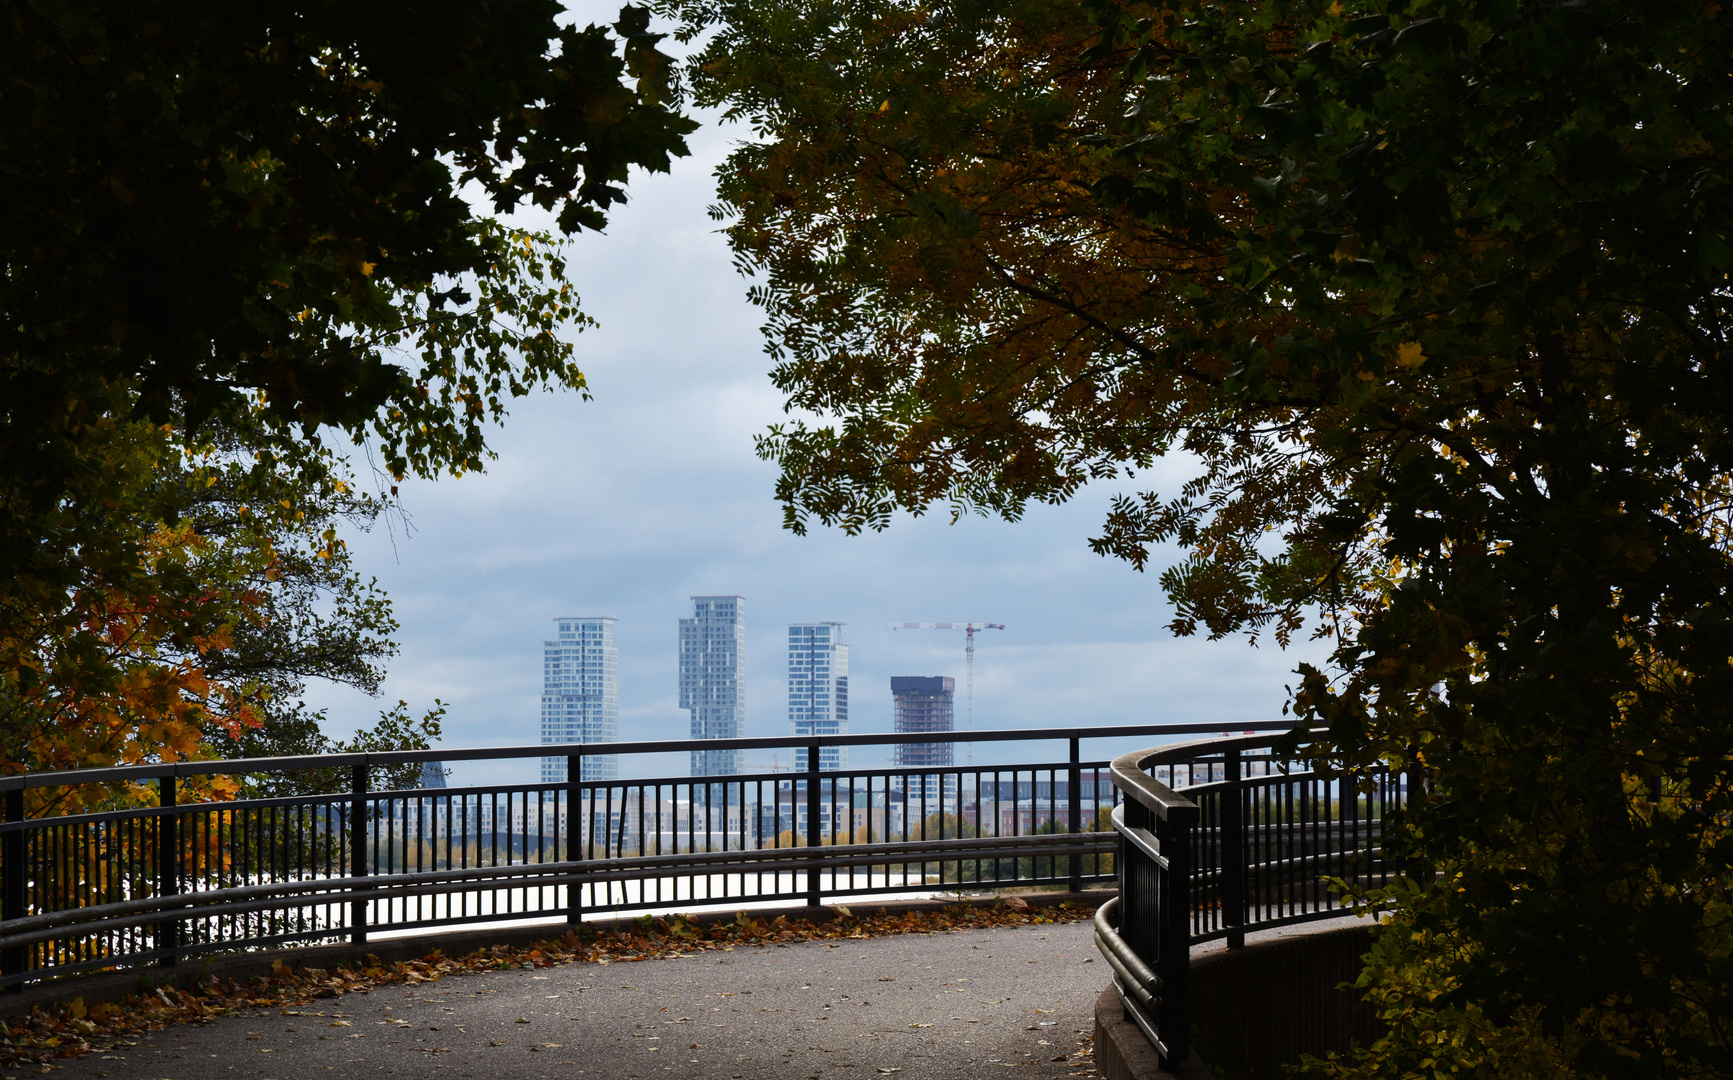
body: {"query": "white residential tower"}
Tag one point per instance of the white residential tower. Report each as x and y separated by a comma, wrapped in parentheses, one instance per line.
(818, 689)
(581, 694)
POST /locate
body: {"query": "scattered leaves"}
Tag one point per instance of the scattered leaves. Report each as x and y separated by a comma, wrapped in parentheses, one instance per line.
(76, 1029)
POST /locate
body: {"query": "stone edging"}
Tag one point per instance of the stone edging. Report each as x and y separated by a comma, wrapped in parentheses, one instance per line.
(115, 985)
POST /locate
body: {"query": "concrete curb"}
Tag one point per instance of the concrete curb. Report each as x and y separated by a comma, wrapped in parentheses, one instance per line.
(115, 985)
(1122, 1053)
(1254, 1008)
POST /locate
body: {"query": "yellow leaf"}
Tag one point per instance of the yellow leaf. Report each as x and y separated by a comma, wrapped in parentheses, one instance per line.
(1410, 354)
(885, 108)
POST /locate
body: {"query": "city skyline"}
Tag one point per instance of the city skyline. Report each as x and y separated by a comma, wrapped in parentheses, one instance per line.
(650, 490)
(581, 693)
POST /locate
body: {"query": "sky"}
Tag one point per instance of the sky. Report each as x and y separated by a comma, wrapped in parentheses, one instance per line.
(629, 503)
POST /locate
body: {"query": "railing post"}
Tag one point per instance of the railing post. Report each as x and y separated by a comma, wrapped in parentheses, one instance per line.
(358, 850)
(813, 833)
(574, 834)
(168, 867)
(1173, 955)
(1075, 810)
(14, 885)
(1233, 849)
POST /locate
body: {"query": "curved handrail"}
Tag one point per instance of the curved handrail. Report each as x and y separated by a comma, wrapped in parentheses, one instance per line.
(359, 874)
(1140, 977)
(1130, 778)
(1131, 770)
(1224, 857)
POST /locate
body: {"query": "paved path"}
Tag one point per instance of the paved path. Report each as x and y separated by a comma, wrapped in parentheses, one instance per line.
(962, 1005)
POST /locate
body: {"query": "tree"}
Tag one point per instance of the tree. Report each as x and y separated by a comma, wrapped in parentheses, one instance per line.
(1435, 296)
(211, 203)
(268, 223)
(242, 599)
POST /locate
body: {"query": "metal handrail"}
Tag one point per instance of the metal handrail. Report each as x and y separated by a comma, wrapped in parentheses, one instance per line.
(770, 860)
(156, 883)
(241, 766)
(151, 884)
(108, 917)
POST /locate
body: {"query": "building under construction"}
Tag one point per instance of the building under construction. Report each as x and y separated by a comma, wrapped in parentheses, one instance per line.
(924, 704)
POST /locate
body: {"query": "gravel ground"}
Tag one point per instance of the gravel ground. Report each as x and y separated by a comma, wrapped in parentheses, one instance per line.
(1014, 1001)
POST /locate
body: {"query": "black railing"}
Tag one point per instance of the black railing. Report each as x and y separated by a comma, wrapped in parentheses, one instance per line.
(1254, 843)
(143, 884)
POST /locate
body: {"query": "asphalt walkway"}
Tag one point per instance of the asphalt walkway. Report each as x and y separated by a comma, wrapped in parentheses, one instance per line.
(960, 1005)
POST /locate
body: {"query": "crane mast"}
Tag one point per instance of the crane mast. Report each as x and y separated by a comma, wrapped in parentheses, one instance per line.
(969, 630)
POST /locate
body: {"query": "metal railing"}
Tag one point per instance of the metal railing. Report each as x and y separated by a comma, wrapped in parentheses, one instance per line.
(154, 884)
(1252, 844)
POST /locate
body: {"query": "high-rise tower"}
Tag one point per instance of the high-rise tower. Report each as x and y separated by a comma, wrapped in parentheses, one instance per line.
(581, 694)
(818, 689)
(712, 645)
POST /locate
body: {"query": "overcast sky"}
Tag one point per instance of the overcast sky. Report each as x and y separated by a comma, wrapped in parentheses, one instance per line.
(627, 504)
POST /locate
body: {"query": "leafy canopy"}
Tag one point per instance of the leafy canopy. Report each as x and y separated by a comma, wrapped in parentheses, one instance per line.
(232, 233)
(211, 202)
(1434, 294)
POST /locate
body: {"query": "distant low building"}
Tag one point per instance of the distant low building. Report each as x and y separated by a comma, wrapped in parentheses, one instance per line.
(925, 705)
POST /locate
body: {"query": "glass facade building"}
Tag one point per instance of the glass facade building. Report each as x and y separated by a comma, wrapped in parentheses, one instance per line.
(818, 689)
(581, 694)
(712, 649)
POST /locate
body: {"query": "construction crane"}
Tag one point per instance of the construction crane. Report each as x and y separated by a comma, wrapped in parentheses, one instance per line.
(969, 630)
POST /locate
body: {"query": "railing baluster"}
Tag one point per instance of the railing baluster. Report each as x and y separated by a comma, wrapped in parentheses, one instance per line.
(813, 835)
(1233, 854)
(1074, 812)
(574, 829)
(358, 850)
(168, 866)
(14, 880)
(1173, 953)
